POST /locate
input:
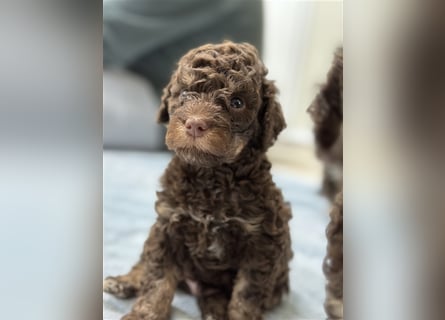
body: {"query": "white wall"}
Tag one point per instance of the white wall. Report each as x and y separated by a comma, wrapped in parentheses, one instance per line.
(300, 38)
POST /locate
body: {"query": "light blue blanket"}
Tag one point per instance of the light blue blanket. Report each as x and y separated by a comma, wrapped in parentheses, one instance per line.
(129, 189)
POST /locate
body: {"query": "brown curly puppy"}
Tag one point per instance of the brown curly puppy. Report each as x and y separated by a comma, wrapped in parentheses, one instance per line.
(327, 113)
(222, 226)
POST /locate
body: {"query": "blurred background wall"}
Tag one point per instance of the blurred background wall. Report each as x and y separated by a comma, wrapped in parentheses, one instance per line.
(299, 40)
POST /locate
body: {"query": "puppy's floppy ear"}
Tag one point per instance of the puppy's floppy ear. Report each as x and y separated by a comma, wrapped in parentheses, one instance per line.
(163, 116)
(271, 117)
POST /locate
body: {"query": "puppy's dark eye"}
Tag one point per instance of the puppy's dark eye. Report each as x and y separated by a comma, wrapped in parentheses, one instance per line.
(236, 103)
(184, 96)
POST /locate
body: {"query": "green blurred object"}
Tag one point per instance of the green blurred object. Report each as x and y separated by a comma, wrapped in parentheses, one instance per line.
(149, 36)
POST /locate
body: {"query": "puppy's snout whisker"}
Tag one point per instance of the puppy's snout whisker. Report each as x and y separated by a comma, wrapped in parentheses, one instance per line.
(196, 127)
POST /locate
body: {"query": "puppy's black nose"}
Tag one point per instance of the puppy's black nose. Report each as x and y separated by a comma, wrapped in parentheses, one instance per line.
(196, 127)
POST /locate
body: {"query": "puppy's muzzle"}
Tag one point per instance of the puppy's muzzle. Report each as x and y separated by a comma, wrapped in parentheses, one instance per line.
(196, 127)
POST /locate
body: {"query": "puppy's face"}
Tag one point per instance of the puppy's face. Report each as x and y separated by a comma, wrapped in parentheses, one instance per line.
(215, 104)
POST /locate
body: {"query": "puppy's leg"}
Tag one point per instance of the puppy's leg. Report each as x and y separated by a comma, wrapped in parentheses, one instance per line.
(128, 285)
(333, 262)
(281, 287)
(248, 296)
(158, 280)
(154, 303)
(213, 304)
(261, 280)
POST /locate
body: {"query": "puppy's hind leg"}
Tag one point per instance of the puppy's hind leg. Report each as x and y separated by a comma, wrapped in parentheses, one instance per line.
(155, 300)
(128, 285)
(158, 280)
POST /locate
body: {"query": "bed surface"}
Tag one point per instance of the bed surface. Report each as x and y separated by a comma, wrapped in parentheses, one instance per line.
(130, 181)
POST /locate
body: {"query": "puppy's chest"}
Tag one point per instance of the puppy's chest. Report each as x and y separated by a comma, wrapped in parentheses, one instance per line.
(209, 239)
(213, 220)
(219, 196)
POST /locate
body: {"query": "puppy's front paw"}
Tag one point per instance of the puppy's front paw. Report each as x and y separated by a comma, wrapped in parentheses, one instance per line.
(334, 308)
(131, 316)
(134, 315)
(215, 314)
(118, 287)
(244, 313)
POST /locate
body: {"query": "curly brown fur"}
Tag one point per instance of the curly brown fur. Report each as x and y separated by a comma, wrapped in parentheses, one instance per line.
(333, 262)
(222, 225)
(327, 113)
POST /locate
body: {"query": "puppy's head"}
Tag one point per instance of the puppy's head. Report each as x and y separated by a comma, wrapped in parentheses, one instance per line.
(218, 103)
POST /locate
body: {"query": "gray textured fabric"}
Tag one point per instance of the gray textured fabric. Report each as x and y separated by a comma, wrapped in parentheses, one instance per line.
(149, 36)
(130, 184)
(130, 105)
